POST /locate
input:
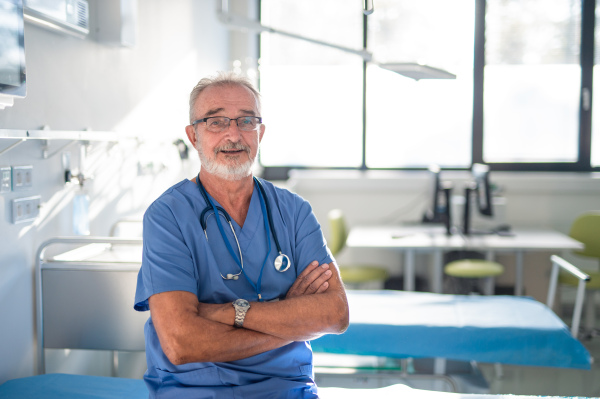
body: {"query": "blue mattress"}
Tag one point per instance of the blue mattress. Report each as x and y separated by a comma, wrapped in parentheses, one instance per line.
(489, 329)
(66, 386)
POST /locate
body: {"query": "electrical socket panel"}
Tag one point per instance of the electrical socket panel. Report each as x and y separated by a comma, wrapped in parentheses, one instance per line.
(25, 209)
(5, 179)
(22, 177)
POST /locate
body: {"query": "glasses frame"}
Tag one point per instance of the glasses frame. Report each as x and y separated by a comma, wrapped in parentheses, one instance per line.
(229, 122)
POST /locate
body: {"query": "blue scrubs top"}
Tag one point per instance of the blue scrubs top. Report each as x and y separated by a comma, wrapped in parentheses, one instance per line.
(178, 257)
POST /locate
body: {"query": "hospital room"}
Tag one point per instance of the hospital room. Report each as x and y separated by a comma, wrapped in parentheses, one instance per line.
(415, 186)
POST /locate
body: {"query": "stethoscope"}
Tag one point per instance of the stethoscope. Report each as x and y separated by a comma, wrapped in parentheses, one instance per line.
(282, 261)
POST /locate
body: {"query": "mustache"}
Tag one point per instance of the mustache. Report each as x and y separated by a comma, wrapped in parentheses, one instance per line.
(233, 146)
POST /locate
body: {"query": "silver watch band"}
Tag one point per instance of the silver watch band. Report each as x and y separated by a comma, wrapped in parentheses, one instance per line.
(241, 307)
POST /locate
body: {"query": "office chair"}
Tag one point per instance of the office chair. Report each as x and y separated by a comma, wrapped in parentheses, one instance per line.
(353, 276)
(473, 269)
(586, 229)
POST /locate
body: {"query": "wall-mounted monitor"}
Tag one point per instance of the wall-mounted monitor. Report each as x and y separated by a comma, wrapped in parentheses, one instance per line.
(12, 49)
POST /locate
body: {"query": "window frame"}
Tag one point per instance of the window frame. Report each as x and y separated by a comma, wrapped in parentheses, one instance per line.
(583, 163)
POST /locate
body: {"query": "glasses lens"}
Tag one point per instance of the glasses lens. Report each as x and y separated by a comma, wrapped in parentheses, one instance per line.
(247, 123)
(217, 124)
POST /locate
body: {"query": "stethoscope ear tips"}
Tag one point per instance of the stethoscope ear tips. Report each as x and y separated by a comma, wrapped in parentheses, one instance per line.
(232, 277)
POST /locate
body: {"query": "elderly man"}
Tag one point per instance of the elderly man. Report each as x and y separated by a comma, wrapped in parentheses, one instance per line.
(235, 271)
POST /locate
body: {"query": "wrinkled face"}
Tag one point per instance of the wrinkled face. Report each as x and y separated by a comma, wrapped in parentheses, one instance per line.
(231, 153)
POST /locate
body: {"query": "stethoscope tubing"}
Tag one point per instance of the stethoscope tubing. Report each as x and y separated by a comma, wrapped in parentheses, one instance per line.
(280, 260)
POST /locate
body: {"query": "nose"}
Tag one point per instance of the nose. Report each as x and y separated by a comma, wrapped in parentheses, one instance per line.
(233, 130)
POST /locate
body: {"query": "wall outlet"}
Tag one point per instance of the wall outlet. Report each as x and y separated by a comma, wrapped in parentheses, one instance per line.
(22, 177)
(25, 209)
(5, 179)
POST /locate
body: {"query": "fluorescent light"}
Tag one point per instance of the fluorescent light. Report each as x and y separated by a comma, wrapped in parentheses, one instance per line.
(417, 71)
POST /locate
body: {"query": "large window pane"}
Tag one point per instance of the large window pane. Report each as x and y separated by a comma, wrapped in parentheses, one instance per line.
(415, 123)
(312, 94)
(595, 155)
(532, 80)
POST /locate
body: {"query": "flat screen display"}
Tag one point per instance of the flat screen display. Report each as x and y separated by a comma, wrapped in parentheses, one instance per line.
(12, 48)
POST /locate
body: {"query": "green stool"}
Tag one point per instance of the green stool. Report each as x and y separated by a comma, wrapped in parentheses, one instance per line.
(358, 274)
(353, 276)
(475, 269)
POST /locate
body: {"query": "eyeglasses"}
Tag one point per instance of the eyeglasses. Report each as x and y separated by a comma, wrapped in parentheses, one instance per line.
(218, 124)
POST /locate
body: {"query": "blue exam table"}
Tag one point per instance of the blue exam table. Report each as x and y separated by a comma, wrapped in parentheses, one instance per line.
(489, 329)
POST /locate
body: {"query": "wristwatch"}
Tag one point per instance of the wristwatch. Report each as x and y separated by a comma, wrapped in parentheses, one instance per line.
(241, 306)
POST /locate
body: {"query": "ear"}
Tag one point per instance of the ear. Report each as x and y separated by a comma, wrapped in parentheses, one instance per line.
(191, 134)
(262, 132)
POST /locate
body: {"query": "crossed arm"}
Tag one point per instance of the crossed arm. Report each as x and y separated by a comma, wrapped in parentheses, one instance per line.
(190, 331)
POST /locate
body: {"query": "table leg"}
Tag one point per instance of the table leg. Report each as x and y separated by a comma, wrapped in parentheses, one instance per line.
(439, 366)
(409, 270)
(519, 273)
(488, 283)
(438, 273)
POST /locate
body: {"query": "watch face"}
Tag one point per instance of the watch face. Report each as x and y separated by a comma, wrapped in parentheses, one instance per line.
(242, 302)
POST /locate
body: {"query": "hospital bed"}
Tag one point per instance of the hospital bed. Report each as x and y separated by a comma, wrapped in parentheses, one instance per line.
(84, 301)
(63, 386)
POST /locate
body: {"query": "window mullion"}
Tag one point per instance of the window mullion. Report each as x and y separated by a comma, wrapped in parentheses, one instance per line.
(586, 95)
(478, 67)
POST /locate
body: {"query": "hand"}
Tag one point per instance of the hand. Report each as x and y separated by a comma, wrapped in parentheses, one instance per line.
(313, 280)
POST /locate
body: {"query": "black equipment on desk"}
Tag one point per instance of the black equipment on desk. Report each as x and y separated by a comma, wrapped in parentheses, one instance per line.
(439, 211)
(480, 186)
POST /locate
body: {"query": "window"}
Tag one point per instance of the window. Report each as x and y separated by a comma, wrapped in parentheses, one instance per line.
(517, 102)
(532, 81)
(595, 151)
(400, 131)
(312, 94)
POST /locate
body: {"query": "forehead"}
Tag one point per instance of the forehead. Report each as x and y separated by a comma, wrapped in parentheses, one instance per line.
(229, 98)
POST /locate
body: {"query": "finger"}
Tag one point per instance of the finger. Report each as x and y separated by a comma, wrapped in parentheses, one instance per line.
(320, 284)
(294, 289)
(312, 266)
(323, 288)
(310, 284)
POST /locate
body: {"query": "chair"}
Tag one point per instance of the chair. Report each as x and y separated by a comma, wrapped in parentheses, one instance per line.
(586, 229)
(475, 269)
(353, 276)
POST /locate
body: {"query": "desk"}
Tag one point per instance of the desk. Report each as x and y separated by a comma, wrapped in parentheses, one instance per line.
(411, 239)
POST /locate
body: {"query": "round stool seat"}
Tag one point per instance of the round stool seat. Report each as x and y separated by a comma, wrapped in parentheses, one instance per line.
(473, 268)
(361, 274)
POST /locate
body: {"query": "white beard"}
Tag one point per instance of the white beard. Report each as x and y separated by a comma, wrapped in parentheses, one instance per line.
(233, 170)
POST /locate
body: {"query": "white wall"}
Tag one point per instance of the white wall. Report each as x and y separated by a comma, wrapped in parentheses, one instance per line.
(74, 84)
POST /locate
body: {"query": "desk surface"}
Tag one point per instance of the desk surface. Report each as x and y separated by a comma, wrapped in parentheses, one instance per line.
(434, 237)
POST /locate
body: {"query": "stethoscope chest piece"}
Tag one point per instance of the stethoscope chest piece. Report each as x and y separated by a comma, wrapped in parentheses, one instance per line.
(282, 263)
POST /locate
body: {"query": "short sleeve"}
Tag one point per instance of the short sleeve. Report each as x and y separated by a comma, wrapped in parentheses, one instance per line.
(310, 242)
(167, 264)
